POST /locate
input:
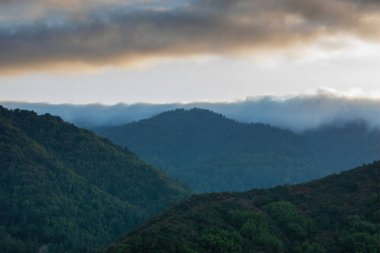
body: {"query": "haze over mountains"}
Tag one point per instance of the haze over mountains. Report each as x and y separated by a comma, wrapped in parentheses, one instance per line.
(199, 99)
(298, 113)
(212, 153)
(64, 189)
(339, 147)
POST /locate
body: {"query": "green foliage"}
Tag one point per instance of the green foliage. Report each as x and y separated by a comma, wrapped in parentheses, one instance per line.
(356, 223)
(316, 217)
(221, 241)
(359, 243)
(310, 247)
(289, 218)
(63, 189)
(359, 236)
(255, 228)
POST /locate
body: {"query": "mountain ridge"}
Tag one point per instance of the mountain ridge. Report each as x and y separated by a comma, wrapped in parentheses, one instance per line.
(65, 189)
(210, 152)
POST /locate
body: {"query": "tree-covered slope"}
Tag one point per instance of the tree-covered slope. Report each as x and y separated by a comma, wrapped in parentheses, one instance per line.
(344, 145)
(339, 213)
(66, 190)
(212, 153)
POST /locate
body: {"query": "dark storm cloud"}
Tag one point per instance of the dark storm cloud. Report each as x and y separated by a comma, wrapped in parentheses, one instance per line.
(94, 33)
(297, 113)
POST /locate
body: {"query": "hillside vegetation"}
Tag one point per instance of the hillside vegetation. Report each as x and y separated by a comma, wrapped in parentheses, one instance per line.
(337, 214)
(343, 146)
(212, 153)
(63, 189)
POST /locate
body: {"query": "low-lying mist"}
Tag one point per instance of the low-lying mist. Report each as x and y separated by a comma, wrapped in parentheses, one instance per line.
(297, 113)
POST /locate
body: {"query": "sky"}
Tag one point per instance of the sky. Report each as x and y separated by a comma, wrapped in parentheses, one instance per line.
(165, 51)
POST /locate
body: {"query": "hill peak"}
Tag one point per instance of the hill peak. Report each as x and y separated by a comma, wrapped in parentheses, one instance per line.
(195, 113)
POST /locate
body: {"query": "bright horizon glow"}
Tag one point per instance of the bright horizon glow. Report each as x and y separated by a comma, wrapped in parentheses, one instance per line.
(350, 71)
(186, 51)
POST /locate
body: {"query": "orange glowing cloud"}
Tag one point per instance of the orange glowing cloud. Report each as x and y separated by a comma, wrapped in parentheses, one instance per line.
(116, 33)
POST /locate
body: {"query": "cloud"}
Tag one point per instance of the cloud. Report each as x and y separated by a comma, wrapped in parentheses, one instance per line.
(304, 112)
(72, 34)
(297, 113)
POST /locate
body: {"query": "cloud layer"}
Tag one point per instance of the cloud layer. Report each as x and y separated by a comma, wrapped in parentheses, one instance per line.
(297, 113)
(51, 33)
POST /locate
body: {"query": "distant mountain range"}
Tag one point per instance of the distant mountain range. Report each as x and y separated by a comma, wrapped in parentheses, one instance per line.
(212, 153)
(64, 189)
(339, 213)
(297, 113)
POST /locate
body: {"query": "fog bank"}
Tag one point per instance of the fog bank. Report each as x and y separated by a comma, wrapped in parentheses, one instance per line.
(297, 113)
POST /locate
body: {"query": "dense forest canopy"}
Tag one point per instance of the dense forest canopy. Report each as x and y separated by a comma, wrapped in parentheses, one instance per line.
(64, 189)
(337, 214)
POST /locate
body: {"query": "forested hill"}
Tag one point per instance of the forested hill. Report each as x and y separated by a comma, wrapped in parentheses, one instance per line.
(337, 214)
(344, 146)
(212, 153)
(63, 189)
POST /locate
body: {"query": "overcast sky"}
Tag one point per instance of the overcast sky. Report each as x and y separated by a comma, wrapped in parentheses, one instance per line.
(167, 51)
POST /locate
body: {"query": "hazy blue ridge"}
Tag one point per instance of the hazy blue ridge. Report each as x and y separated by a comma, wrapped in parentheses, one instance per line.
(210, 152)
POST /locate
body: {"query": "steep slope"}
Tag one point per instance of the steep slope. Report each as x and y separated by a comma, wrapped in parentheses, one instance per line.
(66, 190)
(212, 153)
(339, 213)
